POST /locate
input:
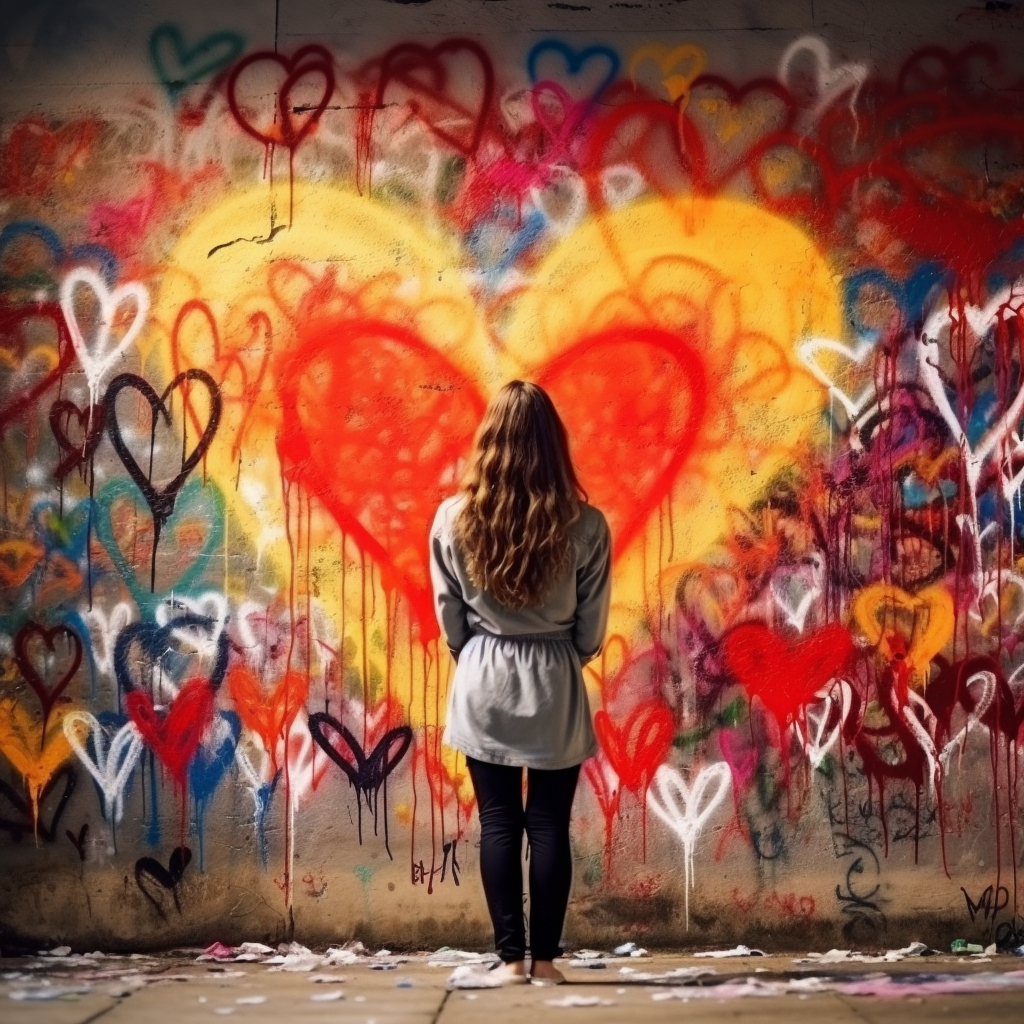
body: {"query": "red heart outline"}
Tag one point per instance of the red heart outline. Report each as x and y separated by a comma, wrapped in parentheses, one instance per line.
(91, 421)
(47, 693)
(637, 745)
(401, 65)
(224, 362)
(11, 319)
(313, 59)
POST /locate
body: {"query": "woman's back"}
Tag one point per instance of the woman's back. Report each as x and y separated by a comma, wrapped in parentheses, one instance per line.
(567, 605)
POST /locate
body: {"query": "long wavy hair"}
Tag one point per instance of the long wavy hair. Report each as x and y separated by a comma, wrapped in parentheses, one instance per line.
(522, 497)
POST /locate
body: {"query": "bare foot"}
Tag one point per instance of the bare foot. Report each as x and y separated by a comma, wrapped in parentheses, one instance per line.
(512, 974)
(545, 972)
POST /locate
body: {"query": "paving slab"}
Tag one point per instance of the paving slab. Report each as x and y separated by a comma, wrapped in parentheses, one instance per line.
(175, 989)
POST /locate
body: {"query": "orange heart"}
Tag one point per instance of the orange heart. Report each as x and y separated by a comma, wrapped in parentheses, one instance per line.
(17, 560)
(268, 713)
(906, 627)
(33, 754)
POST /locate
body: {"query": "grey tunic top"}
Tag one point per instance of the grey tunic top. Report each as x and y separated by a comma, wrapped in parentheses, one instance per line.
(518, 697)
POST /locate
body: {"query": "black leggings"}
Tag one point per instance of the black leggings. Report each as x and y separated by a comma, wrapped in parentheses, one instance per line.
(499, 796)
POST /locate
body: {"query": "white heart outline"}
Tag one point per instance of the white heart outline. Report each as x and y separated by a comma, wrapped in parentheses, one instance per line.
(815, 742)
(108, 769)
(988, 693)
(981, 320)
(832, 80)
(686, 824)
(796, 615)
(107, 628)
(97, 358)
(806, 351)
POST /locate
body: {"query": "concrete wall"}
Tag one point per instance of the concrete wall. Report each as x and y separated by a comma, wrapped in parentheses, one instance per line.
(261, 268)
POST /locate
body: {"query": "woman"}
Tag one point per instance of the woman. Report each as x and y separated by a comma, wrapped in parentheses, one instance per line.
(520, 565)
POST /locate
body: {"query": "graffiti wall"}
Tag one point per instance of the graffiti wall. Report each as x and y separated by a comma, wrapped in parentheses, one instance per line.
(261, 267)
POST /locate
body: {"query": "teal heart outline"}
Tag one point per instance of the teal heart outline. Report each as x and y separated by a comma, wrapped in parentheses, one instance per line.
(219, 48)
(147, 600)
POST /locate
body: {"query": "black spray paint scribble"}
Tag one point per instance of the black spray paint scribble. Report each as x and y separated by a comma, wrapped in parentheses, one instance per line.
(154, 880)
(16, 808)
(367, 773)
(160, 499)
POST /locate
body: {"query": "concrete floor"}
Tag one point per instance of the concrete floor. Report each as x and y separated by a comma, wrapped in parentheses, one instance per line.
(177, 988)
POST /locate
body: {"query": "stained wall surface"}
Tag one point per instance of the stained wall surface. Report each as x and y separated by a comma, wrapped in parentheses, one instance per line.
(261, 267)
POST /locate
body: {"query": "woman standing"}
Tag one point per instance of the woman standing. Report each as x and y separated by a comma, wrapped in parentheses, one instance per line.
(520, 566)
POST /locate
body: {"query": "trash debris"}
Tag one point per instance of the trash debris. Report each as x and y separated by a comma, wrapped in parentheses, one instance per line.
(881, 986)
(57, 951)
(448, 957)
(384, 967)
(676, 976)
(580, 1001)
(721, 954)
(250, 1000)
(844, 956)
(48, 992)
(326, 997)
(404, 983)
(328, 979)
(962, 946)
(591, 965)
(470, 976)
(217, 951)
(629, 949)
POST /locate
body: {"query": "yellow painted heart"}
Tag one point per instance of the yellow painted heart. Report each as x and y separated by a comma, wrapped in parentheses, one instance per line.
(906, 627)
(33, 754)
(679, 66)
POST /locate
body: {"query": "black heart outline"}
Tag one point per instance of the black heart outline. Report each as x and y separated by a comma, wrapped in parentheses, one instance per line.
(16, 829)
(168, 878)
(155, 641)
(160, 501)
(368, 774)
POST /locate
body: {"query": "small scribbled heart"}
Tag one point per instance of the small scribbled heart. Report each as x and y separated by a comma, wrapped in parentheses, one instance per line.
(78, 444)
(637, 745)
(39, 332)
(154, 880)
(432, 82)
(18, 815)
(179, 65)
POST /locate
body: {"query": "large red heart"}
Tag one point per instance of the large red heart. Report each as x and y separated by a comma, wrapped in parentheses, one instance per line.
(433, 84)
(638, 745)
(375, 423)
(175, 734)
(785, 677)
(291, 121)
